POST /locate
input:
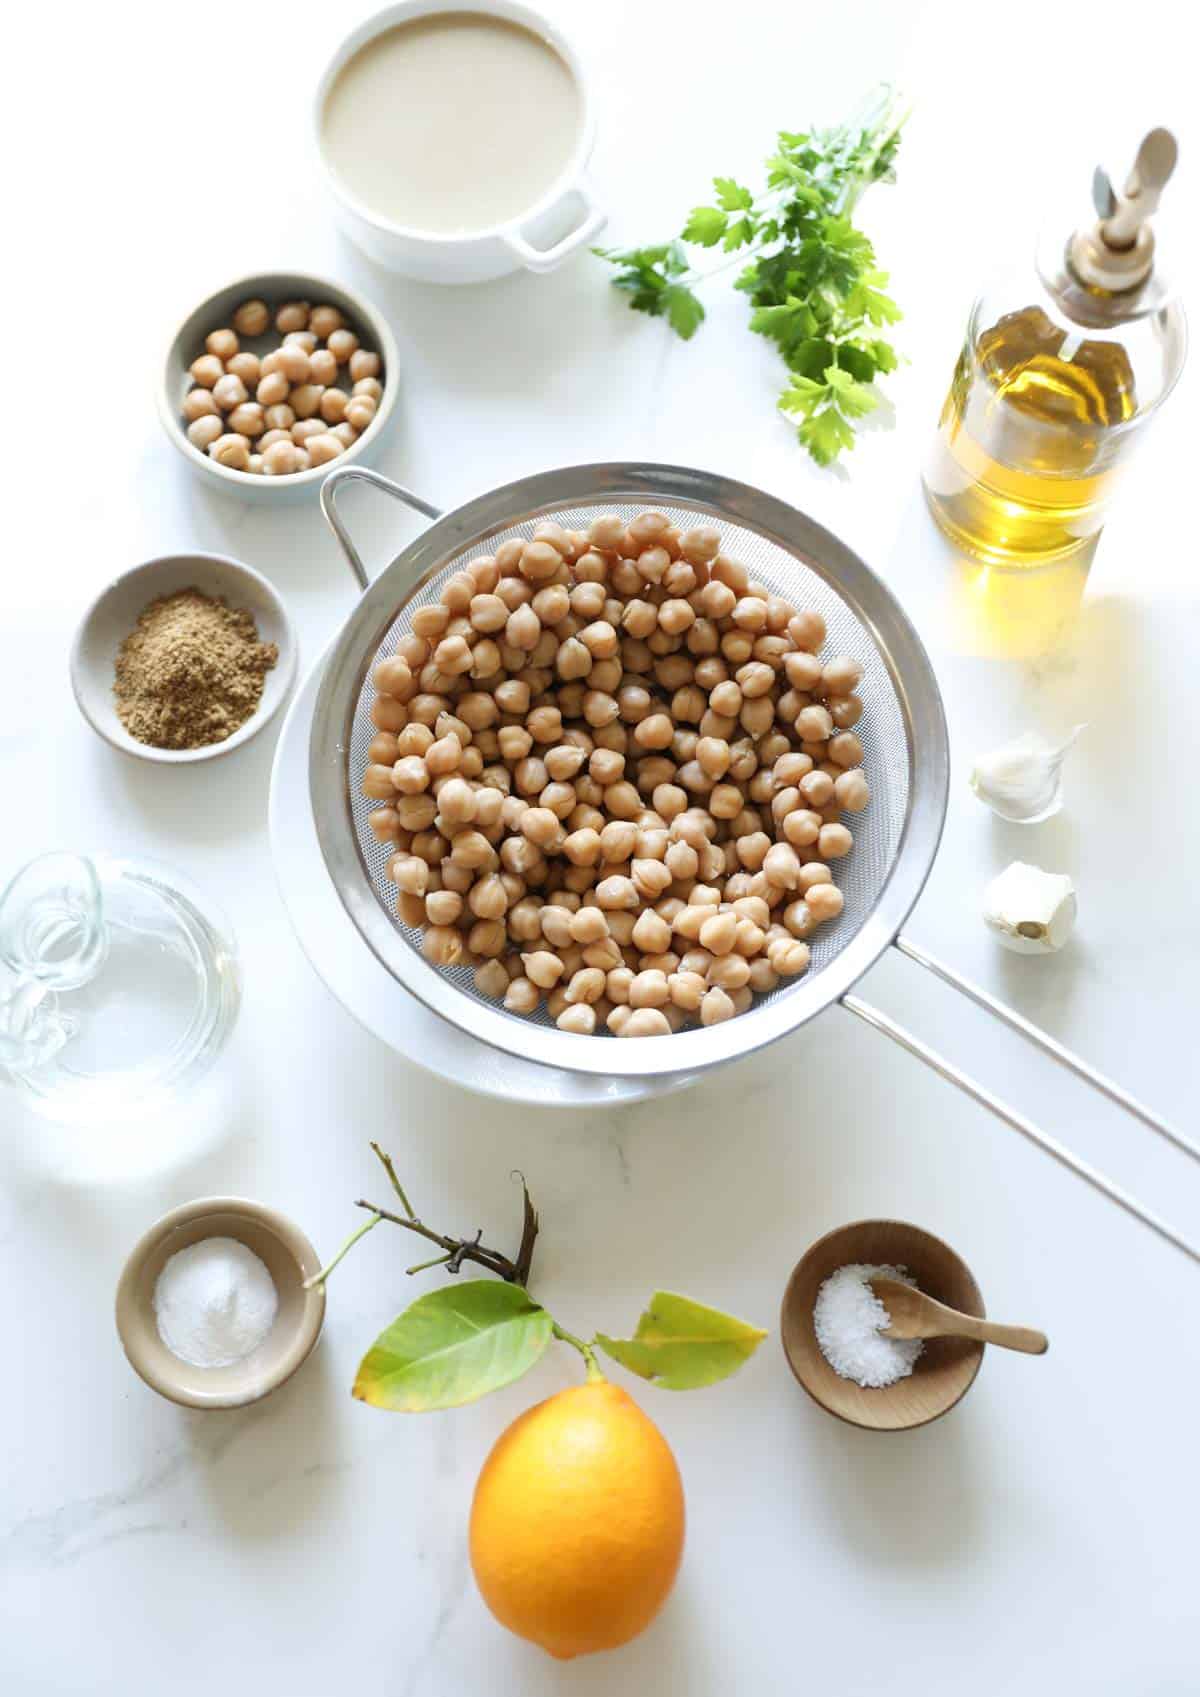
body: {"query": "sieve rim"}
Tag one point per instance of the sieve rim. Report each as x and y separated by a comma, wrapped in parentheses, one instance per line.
(775, 521)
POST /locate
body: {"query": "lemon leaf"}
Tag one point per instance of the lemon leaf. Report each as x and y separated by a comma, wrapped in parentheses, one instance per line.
(682, 1345)
(453, 1346)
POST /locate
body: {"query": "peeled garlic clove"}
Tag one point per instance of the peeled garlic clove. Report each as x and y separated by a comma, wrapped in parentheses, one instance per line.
(1031, 911)
(1022, 780)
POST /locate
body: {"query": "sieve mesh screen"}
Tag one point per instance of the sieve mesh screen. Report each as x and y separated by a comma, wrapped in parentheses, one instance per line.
(882, 730)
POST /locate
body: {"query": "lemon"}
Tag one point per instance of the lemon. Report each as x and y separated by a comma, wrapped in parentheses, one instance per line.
(577, 1522)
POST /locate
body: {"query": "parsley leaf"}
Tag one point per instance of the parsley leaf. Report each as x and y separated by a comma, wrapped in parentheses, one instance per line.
(732, 196)
(812, 284)
(706, 226)
(684, 311)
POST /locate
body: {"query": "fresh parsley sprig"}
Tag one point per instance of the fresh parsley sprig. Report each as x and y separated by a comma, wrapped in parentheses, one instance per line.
(812, 282)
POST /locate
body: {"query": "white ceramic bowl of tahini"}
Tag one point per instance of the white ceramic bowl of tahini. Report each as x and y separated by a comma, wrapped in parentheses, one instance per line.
(560, 215)
(216, 313)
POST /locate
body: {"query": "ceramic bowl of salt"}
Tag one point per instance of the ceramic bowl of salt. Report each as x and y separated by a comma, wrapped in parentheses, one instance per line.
(905, 1387)
(212, 1306)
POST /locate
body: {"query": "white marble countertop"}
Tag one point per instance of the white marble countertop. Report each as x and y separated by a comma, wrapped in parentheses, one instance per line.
(1040, 1538)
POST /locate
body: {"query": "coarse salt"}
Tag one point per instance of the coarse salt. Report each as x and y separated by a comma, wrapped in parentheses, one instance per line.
(214, 1302)
(847, 1319)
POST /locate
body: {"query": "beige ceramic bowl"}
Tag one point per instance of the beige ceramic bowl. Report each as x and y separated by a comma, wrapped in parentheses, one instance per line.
(113, 614)
(216, 311)
(290, 1259)
(945, 1369)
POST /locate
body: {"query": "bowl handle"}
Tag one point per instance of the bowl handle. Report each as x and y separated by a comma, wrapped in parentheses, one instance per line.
(545, 259)
(360, 474)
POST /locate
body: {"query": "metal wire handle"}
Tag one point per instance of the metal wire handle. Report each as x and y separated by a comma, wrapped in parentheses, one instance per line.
(1057, 1051)
(360, 474)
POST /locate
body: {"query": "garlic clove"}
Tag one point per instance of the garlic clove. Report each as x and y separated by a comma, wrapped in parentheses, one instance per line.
(1022, 779)
(1032, 912)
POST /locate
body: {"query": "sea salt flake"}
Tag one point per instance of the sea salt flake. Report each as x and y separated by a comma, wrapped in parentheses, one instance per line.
(848, 1318)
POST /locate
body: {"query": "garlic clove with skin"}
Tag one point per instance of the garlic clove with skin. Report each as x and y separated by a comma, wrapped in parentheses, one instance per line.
(1032, 912)
(1022, 779)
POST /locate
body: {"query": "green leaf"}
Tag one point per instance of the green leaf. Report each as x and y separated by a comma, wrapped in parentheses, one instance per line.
(452, 1346)
(825, 434)
(731, 195)
(705, 226)
(803, 396)
(739, 233)
(854, 400)
(684, 311)
(681, 1344)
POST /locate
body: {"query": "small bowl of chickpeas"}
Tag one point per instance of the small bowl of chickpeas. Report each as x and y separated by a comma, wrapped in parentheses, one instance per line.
(274, 380)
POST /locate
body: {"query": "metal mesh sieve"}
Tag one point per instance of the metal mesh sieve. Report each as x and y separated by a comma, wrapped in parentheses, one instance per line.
(804, 565)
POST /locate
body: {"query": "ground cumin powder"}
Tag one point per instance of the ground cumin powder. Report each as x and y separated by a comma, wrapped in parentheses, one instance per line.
(191, 671)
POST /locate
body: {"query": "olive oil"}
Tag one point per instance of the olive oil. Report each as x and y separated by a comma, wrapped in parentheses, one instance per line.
(1059, 371)
(1024, 458)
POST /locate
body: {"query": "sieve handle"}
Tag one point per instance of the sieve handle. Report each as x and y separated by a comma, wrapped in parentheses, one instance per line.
(360, 474)
(1059, 1152)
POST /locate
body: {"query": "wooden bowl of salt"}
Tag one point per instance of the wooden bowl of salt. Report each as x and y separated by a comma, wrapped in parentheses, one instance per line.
(945, 1368)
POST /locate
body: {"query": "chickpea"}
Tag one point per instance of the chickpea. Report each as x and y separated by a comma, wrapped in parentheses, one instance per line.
(228, 392)
(841, 676)
(586, 985)
(781, 867)
(251, 318)
(245, 366)
(788, 957)
(491, 979)
(717, 933)
(443, 907)
(642, 1022)
(247, 420)
(443, 945)
(851, 790)
(232, 451)
(802, 827)
(342, 344)
(807, 631)
(617, 892)
(322, 368)
(305, 400)
(273, 390)
(542, 968)
(715, 1006)
(292, 315)
(845, 750)
(279, 419)
(825, 902)
(369, 388)
(579, 1018)
(834, 841)
(202, 432)
(346, 434)
(522, 996)
(729, 972)
(816, 788)
(364, 364)
(199, 403)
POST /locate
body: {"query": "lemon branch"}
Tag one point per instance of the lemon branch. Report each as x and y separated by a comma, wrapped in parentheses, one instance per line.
(455, 1250)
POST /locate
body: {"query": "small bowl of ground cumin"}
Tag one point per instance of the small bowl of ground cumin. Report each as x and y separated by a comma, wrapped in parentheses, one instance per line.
(183, 658)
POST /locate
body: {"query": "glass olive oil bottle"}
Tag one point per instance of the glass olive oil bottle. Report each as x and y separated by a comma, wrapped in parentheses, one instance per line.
(1058, 374)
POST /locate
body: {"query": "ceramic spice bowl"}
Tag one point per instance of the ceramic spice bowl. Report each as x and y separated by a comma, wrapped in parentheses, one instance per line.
(216, 313)
(114, 613)
(944, 1371)
(289, 1258)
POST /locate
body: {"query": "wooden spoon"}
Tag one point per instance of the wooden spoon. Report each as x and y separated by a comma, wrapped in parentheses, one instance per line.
(914, 1315)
